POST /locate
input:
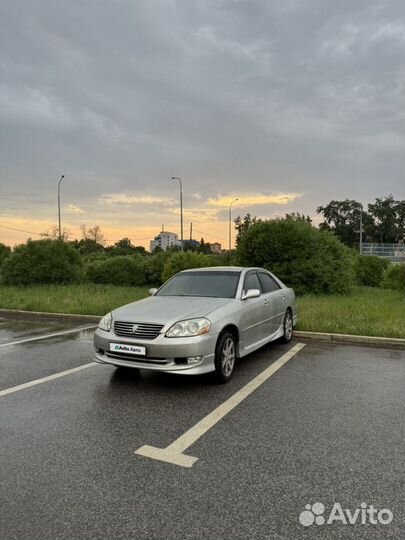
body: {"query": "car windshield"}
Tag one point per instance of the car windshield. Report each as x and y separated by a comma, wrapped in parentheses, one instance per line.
(215, 284)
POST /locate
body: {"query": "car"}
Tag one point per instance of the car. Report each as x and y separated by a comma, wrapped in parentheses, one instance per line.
(201, 320)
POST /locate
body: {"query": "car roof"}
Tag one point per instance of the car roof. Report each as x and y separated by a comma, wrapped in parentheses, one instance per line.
(222, 269)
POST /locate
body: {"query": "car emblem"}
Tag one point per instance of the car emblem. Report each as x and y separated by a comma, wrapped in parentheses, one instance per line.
(134, 328)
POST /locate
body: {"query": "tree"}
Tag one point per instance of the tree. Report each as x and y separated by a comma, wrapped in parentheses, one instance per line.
(185, 260)
(243, 225)
(388, 217)
(40, 262)
(93, 233)
(400, 208)
(53, 234)
(305, 258)
(86, 246)
(296, 216)
(5, 251)
(127, 270)
(204, 247)
(343, 219)
(125, 247)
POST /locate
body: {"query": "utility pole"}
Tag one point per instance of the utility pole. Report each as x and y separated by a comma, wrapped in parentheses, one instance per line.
(230, 225)
(181, 207)
(60, 228)
(361, 230)
(191, 232)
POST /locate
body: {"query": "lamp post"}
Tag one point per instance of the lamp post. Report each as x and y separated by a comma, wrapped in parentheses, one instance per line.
(59, 183)
(361, 230)
(181, 208)
(230, 225)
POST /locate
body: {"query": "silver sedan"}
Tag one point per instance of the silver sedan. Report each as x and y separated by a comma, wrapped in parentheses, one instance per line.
(199, 321)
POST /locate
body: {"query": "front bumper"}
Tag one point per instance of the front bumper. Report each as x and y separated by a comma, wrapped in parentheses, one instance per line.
(191, 356)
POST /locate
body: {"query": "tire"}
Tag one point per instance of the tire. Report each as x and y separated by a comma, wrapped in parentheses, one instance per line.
(225, 357)
(288, 327)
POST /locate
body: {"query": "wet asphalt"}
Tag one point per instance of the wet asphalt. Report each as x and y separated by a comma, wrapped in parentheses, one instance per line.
(328, 427)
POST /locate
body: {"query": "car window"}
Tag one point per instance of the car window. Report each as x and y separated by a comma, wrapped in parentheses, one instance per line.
(216, 284)
(252, 282)
(268, 283)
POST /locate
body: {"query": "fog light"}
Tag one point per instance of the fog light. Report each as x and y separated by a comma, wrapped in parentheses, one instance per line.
(194, 359)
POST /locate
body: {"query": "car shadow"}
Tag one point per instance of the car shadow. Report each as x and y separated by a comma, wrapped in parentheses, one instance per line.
(246, 368)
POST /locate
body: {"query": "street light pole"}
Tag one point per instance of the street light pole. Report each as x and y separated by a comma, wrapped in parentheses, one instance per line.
(59, 183)
(361, 230)
(230, 225)
(181, 207)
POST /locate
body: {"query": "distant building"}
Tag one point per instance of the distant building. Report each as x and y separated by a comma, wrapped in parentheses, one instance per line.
(216, 247)
(191, 244)
(165, 240)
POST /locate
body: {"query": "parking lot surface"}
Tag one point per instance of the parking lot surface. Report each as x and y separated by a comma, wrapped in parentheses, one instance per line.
(328, 427)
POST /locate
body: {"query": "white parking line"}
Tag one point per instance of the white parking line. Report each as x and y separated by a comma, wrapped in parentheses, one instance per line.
(45, 379)
(174, 453)
(47, 336)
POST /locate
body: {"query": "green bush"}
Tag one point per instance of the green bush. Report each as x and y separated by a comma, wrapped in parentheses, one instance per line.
(154, 265)
(5, 251)
(394, 277)
(303, 257)
(126, 270)
(40, 262)
(370, 270)
(188, 259)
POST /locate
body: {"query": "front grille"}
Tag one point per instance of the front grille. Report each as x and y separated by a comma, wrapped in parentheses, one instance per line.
(142, 330)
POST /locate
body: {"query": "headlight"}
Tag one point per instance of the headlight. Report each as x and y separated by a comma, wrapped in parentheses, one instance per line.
(105, 323)
(189, 328)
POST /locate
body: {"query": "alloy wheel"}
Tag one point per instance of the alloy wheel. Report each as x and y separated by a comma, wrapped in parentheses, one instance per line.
(228, 356)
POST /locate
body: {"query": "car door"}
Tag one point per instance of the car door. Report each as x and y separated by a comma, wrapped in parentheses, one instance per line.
(274, 297)
(253, 312)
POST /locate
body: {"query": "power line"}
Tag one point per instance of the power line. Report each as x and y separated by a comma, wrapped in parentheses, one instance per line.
(20, 230)
(211, 235)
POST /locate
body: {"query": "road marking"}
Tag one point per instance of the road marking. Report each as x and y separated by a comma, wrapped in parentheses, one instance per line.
(45, 379)
(47, 336)
(174, 453)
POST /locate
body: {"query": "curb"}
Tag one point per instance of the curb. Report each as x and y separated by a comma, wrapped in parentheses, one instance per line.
(45, 316)
(371, 341)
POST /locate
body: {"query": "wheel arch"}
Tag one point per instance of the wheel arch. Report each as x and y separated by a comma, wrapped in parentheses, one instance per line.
(234, 330)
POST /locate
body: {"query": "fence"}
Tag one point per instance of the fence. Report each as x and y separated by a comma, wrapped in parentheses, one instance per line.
(393, 252)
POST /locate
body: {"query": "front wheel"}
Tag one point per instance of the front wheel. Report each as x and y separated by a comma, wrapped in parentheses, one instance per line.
(225, 357)
(287, 327)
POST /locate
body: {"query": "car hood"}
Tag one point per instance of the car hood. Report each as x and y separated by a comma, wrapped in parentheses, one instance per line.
(168, 309)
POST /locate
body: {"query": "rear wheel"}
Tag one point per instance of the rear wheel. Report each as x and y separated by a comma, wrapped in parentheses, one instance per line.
(225, 357)
(288, 327)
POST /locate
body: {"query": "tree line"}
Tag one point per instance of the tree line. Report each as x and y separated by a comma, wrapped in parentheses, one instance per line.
(315, 260)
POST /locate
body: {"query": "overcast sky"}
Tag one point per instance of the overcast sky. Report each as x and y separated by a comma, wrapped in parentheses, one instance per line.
(283, 104)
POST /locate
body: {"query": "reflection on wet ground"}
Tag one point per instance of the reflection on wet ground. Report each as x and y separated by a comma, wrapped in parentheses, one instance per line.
(13, 330)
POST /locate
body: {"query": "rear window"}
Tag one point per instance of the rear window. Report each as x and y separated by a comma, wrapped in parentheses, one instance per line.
(215, 284)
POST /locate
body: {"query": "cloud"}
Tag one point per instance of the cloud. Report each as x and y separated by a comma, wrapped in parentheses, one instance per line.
(254, 200)
(73, 209)
(135, 200)
(227, 95)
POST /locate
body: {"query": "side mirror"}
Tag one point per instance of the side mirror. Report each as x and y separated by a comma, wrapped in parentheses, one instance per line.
(152, 291)
(251, 293)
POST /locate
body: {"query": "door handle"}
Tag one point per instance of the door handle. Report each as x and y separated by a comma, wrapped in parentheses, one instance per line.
(266, 302)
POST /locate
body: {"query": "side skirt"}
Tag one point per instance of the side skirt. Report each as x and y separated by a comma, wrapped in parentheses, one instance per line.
(243, 351)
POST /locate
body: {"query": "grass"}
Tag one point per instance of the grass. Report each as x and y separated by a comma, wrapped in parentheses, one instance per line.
(367, 311)
(86, 299)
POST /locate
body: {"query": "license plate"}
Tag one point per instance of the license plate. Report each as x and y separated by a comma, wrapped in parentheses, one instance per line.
(136, 350)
